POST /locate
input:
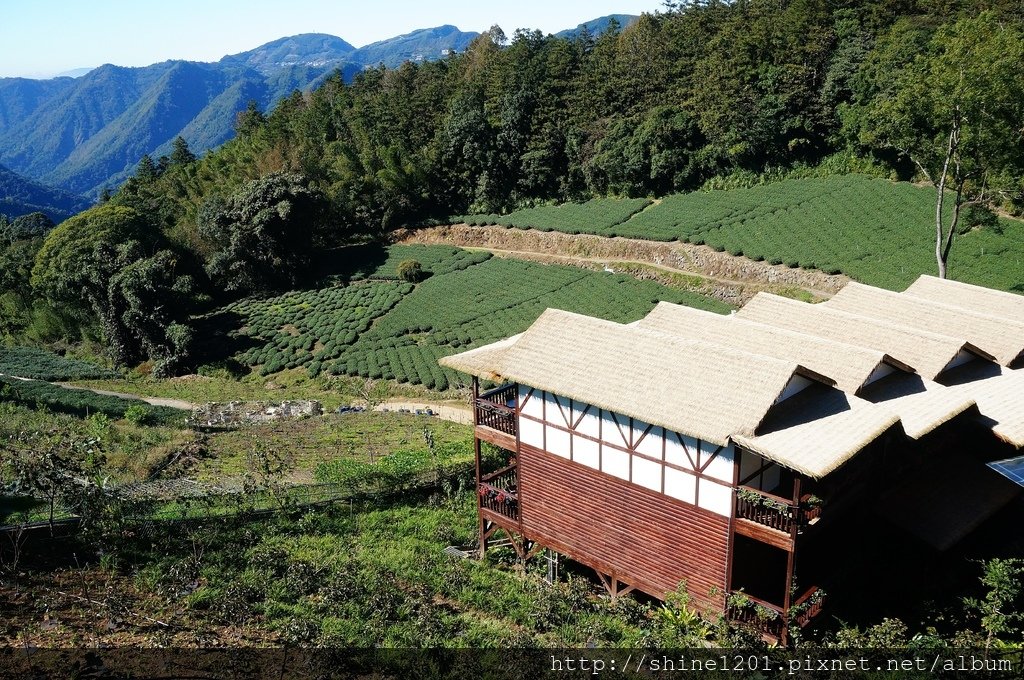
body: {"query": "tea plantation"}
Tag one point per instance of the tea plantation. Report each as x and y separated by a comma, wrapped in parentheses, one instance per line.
(397, 331)
(873, 230)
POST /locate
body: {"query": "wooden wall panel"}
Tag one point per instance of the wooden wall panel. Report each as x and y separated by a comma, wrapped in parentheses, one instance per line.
(641, 537)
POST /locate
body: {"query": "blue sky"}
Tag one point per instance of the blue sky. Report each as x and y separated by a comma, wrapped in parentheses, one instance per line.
(40, 38)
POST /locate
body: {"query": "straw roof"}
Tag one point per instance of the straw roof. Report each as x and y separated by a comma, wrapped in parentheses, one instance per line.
(1001, 404)
(482, 361)
(967, 296)
(1002, 337)
(825, 439)
(928, 353)
(923, 412)
(701, 390)
(850, 366)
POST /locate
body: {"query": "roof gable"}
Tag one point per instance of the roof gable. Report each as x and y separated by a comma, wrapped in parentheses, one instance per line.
(926, 352)
(1003, 338)
(849, 366)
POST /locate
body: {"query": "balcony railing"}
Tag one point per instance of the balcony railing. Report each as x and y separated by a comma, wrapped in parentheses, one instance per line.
(764, 617)
(498, 492)
(807, 606)
(770, 619)
(774, 511)
(496, 409)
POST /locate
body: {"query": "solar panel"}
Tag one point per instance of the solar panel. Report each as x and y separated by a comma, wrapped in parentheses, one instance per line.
(1011, 468)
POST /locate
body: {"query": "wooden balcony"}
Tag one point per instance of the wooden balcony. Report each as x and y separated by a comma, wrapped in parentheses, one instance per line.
(498, 494)
(495, 416)
(758, 510)
(770, 619)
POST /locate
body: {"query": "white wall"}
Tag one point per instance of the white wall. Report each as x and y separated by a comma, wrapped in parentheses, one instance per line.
(706, 474)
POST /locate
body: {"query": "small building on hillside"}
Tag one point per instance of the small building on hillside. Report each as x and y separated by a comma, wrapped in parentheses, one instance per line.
(747, 455)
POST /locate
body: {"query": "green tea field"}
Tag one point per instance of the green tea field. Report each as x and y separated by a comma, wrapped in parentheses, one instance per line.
(873, 230)
(380, 328)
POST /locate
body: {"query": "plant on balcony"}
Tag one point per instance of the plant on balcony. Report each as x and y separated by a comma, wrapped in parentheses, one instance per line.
(755, 498)
(739, 601)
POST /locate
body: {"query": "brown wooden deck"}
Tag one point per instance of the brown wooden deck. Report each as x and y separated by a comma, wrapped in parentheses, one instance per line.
(771, 619)
(769, 518)
(499, 500)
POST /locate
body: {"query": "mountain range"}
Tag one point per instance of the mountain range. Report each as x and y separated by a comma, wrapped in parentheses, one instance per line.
(87, 133)
(83, 134)
(20, 196)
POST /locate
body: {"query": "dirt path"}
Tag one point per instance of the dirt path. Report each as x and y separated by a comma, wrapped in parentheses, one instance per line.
(730, 278)
(153, 401)
(457, 413)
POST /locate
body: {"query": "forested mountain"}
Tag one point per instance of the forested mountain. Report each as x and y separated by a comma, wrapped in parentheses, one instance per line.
(21, 196)
(701, 95)
(598, 26)
(88, 133)
(424, 44)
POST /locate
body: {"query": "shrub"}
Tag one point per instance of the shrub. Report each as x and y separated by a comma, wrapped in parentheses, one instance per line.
(410, 270)
(137, 414)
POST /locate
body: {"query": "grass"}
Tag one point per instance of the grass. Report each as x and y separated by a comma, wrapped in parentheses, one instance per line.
(370, 575)
(289, 384)
(876, 231)
(132, 451)
(314, 441)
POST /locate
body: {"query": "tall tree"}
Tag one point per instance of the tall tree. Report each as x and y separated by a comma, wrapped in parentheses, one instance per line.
(956, 111)
(264, 235)
(181, 154)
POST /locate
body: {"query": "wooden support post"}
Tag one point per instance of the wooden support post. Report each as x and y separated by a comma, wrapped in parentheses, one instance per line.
(791, 561)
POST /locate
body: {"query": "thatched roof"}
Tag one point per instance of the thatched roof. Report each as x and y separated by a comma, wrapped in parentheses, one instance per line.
(701, 390)
(923, 412)
(850, 366)
(975, 298)
(1001, 404)
(1002, 337)
(928, 353)
(815, 437)
(482, 361)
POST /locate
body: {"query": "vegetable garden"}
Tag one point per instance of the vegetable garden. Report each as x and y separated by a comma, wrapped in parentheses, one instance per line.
(873, 230)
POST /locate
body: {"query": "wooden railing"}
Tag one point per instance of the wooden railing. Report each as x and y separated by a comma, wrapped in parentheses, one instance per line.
(764, 617)
(498, 492)
(496, 409)
(770, 619)
(774, 511)
(807, 606)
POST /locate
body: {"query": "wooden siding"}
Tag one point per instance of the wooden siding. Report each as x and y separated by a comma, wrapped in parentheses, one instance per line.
(641, 537)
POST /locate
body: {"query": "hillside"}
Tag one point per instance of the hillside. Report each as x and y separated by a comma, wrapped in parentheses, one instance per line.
(596, 27)
(422, 45)
(84, 134)
(20, 196)
(873, 230)
(381, 327)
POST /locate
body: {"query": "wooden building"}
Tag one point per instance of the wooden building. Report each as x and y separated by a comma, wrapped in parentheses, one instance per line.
(732, 453)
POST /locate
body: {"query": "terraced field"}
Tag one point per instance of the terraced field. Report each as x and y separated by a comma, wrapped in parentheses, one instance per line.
(395, 330)
(872, 230)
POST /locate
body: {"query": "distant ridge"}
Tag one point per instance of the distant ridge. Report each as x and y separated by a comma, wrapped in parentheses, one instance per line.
(20, 196)
(87, 129)
(598, 26)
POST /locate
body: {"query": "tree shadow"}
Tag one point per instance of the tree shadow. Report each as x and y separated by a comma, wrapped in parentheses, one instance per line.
(340, 265)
